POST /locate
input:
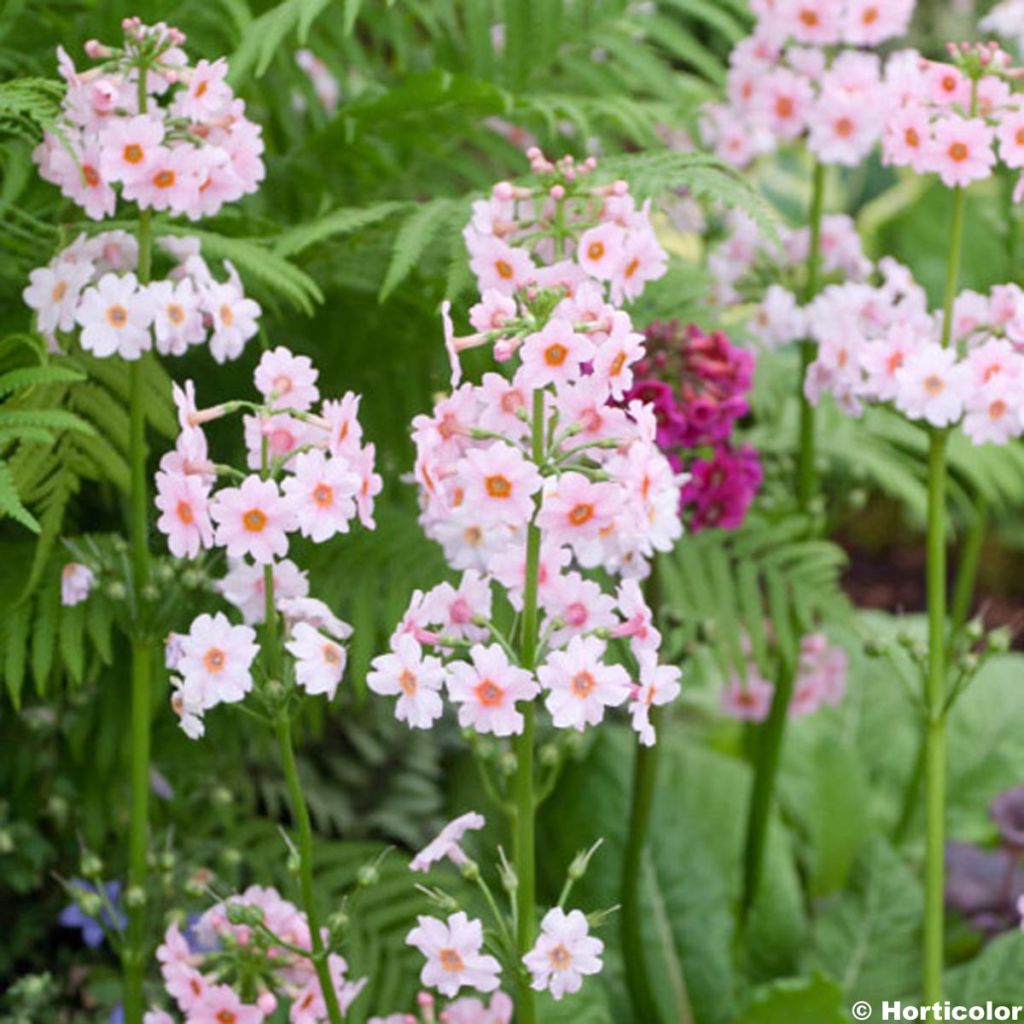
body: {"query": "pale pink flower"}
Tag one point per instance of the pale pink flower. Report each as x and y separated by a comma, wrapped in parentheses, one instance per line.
(580, 605)
(129, 146)
(244, 587)
(783, 99)
(553, 355)
(470, 1010)
(748, 701)
(216, 659)
(115, 317)
(283, 434)
(600, 250)
(659, 685)
(454, 609)
(416, 680)
(171, 181)
(931, 385)
(617, 354)
(994, 411)
(503, 404)
(53, 292)
(585, 405)
(345, 433)
(313, 611)
(1010, 134)
(157, 1016)
(508, 567)
(843, 128)
(499, 483)
(638, 622)
(288, 381)
(81, 180)
(870, 22)
(177, 318)
(499, 265)
(643, 260)
(452, 951)
(961, 150)
(184, 984)
(207, 93)
(184, 501)
(487, 691)
(881, 360)
(321, 491)
(494, 310)
(565, 952)
(222, 1005)
(907, 141)
(947, 85)
(76, 582)
(189, 705)
(370, 484)
(319, 662)
(253, 519)
(580, 685)
(234, 320)
(446, 844)
(576, 509)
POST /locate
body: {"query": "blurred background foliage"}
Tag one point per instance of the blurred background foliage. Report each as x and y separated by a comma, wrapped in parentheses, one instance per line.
(350, 246)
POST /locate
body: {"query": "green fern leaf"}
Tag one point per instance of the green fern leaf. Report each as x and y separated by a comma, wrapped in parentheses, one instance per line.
(345, 221)
(415, 235)
(10, 502)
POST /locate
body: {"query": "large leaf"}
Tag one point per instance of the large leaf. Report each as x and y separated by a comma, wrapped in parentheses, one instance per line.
(814, 1000)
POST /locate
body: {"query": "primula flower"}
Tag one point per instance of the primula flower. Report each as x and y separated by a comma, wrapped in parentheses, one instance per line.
(454, 609)
(129, 147)
(76, 582)
(580, 685)
(499, 265)
(415, 678)
(554, 355)
(600, 250)
(580, 605)
(499, 483)
(184, 501)
(446, 844)
(748, 701)
(253, 519)
(177, 317)
(321, 492)
(564, 953)
(243, 586)
(961, 150)
(576, 509)
(115, 317)
(931, 386)
(659, 685)
(452, 951)
(216, 659)
(488, 690)
(469, 1010)
(319, 662)
(222, 1005)
(286, 380)
(53, 292)
(234, 320)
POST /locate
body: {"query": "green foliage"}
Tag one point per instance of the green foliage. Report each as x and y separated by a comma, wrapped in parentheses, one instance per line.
(813, 1000)
(28, 106)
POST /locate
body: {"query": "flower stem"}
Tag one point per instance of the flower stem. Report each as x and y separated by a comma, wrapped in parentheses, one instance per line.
(967, 570)
(301, 814)
(805, 471)
(524, 843)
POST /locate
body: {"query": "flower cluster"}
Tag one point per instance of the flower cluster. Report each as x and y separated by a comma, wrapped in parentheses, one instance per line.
(145, 123)
(880, 344)
(820, 681)
(787, 81)
(697, 385)
(92, 286)
(952, 119)
(242, 960)
(312, 475)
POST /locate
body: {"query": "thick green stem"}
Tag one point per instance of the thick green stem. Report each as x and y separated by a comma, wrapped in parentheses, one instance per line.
(762, 793)
(301, 814)
(967, 570)
(523, 785)
(805, 469)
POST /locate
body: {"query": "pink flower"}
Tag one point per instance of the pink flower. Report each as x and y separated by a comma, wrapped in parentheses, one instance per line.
(487, 691)
(171, 181)
(243, 586)
(499, 483)
(564, 953)
(115, 317)
(312, 611)
(53, 293)
(494, 310)
(600, 250)
(783, 99)
(129, 146)
(576, 510)
(207, 91)
(504, 402)
(221, 1005)
(416, 680)
(961, 150)
(234, 320)
(750, 701)
(870, 22)
(947, 85)
(453, 955)
(76, 582)
(321, 492)
(643, 260)
(177, 318)
(370, 484)
(907, 141)
(580, 604)
(616, 356)
(470, 1010)
(930, 386)
(659, 685)
(553, 355)
(319, 662)
(580, 686)
(638, 622)
(447, 843)
(882, 360)
(253, 519)
(508, 567)
(454, 609)
(993, 411)
(184, 501)
(1011, 138)
(345, 434)
(216, 659)
(499, 265)
(286, 380)
(81, 180)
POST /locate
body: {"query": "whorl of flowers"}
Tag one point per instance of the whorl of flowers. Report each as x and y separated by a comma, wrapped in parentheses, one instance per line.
(820, 681)
(91, 286)
(542, 444)
(879, 343)
(311, 475)
(697, 384)
(145, 125)
(242, 960)
(788, 81)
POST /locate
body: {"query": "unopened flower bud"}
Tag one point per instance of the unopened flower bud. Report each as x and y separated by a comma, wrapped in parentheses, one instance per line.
(508, 763)
(231, 856)
(89, 903)
(337, 923)
(267, 1002)
(367, 875)
(116, 590)
(91, 866)
(999, 640)
(135, 896)
(294, 863)
(548, 755)
(974, 630)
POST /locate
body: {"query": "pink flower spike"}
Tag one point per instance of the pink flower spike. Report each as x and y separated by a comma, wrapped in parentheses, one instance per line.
(416, 680)
(488, 689)
(253, 519)
(452, 951)
(580, 685)
(446, 845)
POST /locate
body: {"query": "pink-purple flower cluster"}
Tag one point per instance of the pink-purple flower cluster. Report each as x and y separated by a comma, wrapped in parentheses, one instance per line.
(148, 126)
(315, 475)
(802, 75)
(820, 681)
(697, 385)
(253, 944)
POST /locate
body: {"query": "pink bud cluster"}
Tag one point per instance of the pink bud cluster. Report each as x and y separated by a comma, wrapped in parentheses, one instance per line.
(958, 119)
(542, 444)
(786, 81)
(147, 125)
(697, 384)
(315, 476)
(880, 344)
(249, 943)
(92, 286)
(820, 681)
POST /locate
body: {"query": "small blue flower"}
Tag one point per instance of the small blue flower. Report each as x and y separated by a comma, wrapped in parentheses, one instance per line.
(72, 916)
(116, 1015)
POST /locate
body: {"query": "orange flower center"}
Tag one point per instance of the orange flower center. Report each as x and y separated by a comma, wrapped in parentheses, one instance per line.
(283, 384)
(227, 315)
(185, 512)
(870, 16)
(583, 684)
(912, 138)
(227, 1017)
(784, 106)
(581, 514)
(254, 520)
(959, 152)
(407, 681)
(809, 17)
(555, 355)
(117, 316)
(450, 960)
(164, 178)
(323, 495)
(60, 289)
(91, 175)
(997, 409)
(631, 267)
(498, 486)
(844, 127)
(201, 88)
(617, 364)
(214, 659)
(473, 535)
(504, 270)
(595, 250)
(132, 153)
(331, 654)
(175, 312)
(489, 693)
(934, 385)
(560, 958)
